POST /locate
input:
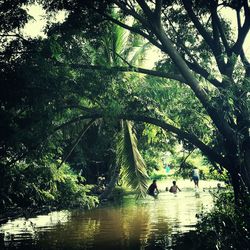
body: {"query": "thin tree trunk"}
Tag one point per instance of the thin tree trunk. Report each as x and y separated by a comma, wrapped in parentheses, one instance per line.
(112, 183)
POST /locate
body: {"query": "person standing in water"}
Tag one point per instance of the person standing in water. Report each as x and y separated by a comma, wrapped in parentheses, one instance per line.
(173, 189)
(153, 190)
(196, 177)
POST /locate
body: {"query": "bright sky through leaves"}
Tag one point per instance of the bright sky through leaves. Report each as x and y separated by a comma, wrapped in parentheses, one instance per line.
(34, 28)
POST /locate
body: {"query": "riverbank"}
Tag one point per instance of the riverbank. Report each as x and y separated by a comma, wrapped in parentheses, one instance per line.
(17, 212)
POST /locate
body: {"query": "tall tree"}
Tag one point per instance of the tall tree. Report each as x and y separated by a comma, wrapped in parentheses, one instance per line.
(121, 47)
(202, 53)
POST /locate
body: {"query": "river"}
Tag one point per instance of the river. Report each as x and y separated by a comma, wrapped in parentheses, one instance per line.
(134, 224)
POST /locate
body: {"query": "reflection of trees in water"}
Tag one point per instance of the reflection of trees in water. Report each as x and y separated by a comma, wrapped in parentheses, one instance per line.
(78, 232)
(161, 236)
(129, 227)
(137, 226)
(133, 225)
(161, 229)
(145, 225)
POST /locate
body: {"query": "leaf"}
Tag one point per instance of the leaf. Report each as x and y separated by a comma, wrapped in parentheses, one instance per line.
(131, 161)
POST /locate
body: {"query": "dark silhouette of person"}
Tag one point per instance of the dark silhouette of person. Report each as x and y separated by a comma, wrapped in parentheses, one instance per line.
(173, 189)
(153, 190)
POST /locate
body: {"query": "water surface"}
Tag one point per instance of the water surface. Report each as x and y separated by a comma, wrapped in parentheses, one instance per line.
(143, 224)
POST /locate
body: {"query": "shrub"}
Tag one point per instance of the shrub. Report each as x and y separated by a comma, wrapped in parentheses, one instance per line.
(226, 226)
(35, 185)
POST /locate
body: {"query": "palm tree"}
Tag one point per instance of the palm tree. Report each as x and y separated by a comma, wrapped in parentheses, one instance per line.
(120, 48)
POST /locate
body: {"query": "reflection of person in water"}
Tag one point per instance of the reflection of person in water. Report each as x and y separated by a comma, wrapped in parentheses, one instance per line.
(173, 189)
(153, 190)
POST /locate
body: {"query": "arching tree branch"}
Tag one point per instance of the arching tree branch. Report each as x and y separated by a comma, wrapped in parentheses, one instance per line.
(167, 75)
(210, 153)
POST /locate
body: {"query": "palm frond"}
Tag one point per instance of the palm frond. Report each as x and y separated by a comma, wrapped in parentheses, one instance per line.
(122, 37)
(131, 161)
(139, 53)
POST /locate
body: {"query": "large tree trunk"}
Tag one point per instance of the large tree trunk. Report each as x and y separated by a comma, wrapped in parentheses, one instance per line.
(239, 170)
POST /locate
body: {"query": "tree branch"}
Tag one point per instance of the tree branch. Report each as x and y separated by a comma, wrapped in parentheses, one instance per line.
(77, 119)
(197, 24)
(210, 153)
(123, 59)
(131, 12)
(14, 35)
(171, 76)
(242, 30)
(222, 34)
(185, 158)
(216, 37)
(204, 73)
(145, 8)
(245, 62)
(135, 30)
(238, 19)
(205, 35)
(81, 134)
(157, 12)
(166, 46)
(194, 65)
(189, 80)
(82, 108)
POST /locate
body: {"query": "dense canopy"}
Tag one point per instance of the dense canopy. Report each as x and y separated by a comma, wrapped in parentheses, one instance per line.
(88, 77)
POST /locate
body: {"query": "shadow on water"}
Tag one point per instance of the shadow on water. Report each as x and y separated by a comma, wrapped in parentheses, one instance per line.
(142, 224)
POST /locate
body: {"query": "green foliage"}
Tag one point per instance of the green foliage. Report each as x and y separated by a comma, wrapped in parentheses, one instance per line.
(185, 169)
(226, 226)
(184, 162)
(131, 161)
(154, 143)
(152, 158)
(156, 176)
(71, 194)
(214, 174)
(35, 185)
(47, 88)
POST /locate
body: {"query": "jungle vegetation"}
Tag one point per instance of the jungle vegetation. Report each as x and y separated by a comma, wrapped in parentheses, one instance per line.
(83, 99)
